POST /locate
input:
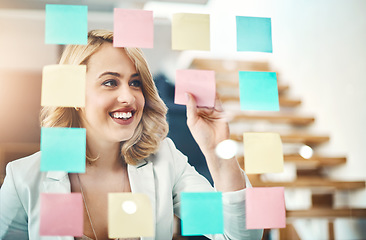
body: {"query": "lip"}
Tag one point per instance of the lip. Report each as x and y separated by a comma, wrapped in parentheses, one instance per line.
(121, 121)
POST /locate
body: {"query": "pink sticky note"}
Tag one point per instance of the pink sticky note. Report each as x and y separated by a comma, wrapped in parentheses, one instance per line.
(61, 214)
(133, 28)
(265, 208)
(200, 83)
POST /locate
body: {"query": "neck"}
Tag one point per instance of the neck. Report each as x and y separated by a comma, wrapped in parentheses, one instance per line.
(107, 155)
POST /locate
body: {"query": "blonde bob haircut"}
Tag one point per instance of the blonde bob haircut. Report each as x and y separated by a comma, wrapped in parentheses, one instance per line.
(153, 126)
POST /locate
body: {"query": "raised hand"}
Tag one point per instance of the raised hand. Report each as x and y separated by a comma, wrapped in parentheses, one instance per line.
(209, 127)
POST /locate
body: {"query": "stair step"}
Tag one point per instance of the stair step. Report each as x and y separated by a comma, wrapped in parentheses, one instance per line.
(283, 101)
(327, 213)
(222, 83)
(228, 66)
(293, 138)
(313, 162)
(309, 182)
(278, 118)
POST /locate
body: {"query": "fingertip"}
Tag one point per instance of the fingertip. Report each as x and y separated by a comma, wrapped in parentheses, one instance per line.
(188, 95)
(191, 105)
(190, 98)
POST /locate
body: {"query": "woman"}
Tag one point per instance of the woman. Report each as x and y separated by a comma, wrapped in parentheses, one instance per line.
(127, 151)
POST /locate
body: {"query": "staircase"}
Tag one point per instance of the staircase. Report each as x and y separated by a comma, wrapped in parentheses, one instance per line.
(292, 126)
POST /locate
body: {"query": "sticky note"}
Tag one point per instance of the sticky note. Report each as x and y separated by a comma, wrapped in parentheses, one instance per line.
(130, 215)
(61, 214)
(200, 83)
(265, 208)
(254, 34)
(63, 85)
(66, 24)
(263, 152)
(191, 31)
(63, 149)
(133, 28)
(201, 213)
(258, 91)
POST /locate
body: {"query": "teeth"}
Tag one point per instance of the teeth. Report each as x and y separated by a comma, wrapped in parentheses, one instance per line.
(122, 115)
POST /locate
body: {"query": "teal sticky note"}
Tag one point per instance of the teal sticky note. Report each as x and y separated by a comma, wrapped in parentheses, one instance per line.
(201, 213)
(258, 91)
(66, 24)
(254, 34)
(63, 149)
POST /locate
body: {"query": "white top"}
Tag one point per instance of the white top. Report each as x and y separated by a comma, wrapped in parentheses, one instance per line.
(162, 176)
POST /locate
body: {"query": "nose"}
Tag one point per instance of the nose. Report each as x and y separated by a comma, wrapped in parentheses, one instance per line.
(125, 95)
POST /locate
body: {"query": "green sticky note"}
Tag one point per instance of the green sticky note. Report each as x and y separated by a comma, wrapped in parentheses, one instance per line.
(66, 24)
(201, 213)
(258, 91)
(63, 149)
(254, 34)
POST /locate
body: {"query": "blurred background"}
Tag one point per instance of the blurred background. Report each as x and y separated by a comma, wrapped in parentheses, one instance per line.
(319, 54)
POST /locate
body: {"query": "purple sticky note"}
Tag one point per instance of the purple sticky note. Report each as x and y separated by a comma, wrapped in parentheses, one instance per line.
(200, 83)
(133, 28)
(61, 214)
(265, 208)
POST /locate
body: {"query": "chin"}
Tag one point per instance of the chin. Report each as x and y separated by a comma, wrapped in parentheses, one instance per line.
(124, 137)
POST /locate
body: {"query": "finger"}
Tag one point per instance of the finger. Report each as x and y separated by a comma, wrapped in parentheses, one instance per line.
(218, 104)
(191, 107)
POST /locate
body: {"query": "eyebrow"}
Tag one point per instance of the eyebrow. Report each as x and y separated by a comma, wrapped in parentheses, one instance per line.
(117, 74)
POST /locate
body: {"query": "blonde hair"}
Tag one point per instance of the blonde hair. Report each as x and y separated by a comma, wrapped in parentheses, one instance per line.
(153, 126)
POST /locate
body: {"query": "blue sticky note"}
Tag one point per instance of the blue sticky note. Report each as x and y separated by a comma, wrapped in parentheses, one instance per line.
(66, 24)
(63, 149)
(201, 213)
(254, 34)
(258, 91)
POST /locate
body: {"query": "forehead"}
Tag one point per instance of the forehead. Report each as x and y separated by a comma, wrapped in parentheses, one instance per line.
(109, 58)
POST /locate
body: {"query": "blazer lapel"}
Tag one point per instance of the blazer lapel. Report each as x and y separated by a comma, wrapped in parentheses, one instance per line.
(142, 180)
(57, 182)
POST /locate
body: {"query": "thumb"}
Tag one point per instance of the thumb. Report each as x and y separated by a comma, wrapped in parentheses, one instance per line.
(191, 107)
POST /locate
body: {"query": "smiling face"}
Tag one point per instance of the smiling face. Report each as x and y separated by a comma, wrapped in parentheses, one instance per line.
(114, 99)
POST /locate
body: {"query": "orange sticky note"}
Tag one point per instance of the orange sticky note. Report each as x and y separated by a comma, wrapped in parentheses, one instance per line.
(263, 152)
(130, 215)
(133, 28)
(63, 85)
(200, 83)
(61, 214)
(265, 208)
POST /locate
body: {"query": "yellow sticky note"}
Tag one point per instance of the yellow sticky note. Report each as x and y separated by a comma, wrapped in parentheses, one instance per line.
(130, 215)
(263, 153)
(191, 31)
(63, 85)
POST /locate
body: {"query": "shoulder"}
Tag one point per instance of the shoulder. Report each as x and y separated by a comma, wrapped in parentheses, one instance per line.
(26, 164)
(25, 171)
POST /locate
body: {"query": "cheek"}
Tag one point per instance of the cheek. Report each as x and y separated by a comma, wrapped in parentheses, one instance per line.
(141, 100)
(96, 105)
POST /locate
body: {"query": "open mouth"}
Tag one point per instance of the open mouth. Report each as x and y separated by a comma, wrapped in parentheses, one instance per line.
(122, 115)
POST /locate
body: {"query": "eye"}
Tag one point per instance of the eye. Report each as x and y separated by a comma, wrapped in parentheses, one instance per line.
(110, 83)
(136, 83)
